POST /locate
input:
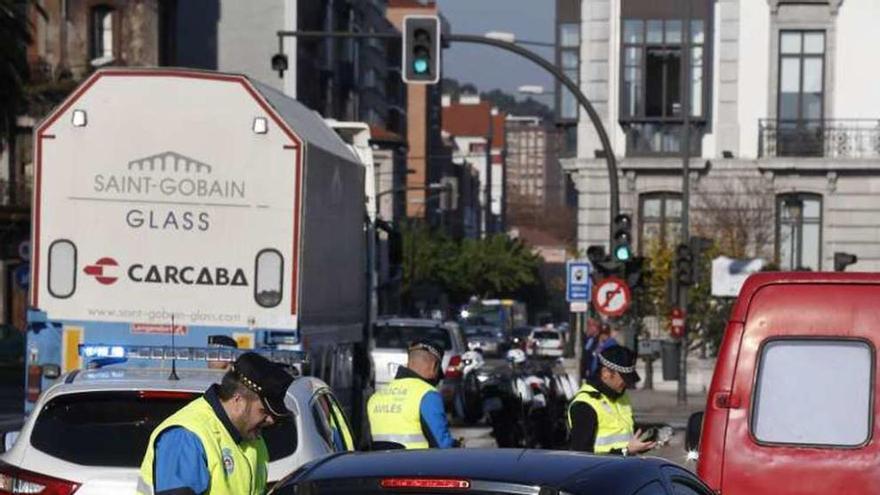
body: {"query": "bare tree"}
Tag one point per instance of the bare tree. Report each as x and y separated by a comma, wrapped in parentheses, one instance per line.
(738, 216)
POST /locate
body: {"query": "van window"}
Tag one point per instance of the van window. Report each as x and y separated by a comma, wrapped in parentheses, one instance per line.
(806, 386)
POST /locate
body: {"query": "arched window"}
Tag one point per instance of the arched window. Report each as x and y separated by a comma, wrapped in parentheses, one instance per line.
(62, 269)
(268, 279)
(799, 231)
(103, 24)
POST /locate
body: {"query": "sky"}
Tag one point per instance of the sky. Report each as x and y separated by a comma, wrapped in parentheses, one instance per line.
(488, 67)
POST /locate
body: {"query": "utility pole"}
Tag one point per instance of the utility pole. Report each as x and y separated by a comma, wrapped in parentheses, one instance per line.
(685, 192)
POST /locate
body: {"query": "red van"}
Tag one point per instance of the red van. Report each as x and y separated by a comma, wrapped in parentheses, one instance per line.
(792, 405)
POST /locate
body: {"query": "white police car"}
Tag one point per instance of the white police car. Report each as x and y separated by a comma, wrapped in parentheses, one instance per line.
(88, 433)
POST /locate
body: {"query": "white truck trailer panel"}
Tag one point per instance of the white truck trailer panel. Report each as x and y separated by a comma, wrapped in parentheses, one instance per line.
(170, 192)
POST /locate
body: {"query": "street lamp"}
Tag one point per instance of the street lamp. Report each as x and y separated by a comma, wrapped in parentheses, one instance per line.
(511, 38)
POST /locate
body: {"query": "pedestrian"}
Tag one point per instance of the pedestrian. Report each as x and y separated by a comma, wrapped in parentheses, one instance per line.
(600, 418)
(213, 445)
(604, 338)
(409, 412)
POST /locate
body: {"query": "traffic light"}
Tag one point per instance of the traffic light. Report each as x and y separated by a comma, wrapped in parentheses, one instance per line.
(843, 260)
(621, 238)
(635, 272)
(421, 49)
(684, 265)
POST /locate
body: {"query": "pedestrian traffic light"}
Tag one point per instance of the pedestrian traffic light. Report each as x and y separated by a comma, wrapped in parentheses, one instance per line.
(621, 238)
(843, 260)
(421, 49)
(684, 265)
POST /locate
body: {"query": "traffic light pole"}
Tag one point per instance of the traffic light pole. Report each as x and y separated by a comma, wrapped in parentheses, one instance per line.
(610, 160)
(685, 195)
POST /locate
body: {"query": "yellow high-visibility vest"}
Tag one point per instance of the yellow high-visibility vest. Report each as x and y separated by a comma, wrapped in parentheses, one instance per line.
(234, 468)
(394, 413)
(615, 418)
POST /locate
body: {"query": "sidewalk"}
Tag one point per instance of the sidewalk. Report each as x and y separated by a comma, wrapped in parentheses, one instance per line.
(656, 406)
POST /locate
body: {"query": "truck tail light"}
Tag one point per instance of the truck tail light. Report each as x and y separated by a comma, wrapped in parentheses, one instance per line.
(34, 382)
(454, 368)
(19, 481)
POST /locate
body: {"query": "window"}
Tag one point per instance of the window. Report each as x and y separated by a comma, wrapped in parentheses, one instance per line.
(400, 337)
(659, 219)
(330, 421)
(801, 93)
(569, 62)
(804, 386)
(103, 19)
(268, 280)
(799, 231)
(652, 79)
(62, 269)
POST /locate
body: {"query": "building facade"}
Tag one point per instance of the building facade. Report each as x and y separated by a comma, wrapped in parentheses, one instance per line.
(534, 177)
(784, 133)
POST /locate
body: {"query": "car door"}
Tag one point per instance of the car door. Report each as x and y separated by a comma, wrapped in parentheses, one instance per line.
(333, 426)
(802, 401)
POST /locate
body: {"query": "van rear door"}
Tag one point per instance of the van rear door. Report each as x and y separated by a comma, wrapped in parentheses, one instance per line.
(803, 397)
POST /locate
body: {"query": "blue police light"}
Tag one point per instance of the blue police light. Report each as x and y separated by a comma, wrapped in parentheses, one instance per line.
(102, 351)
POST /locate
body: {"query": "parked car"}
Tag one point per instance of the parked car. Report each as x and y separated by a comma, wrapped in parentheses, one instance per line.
(490, 471)
(392, 337)
(89, 432)
(489, 339)
(544, 342)
(792, 407)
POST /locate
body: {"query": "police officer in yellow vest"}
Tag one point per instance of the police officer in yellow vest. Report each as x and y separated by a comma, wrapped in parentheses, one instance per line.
(213, 445)
(600, 416)
(409, 412)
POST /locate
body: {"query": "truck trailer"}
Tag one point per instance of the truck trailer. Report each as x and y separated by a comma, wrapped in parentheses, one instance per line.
(179, 204)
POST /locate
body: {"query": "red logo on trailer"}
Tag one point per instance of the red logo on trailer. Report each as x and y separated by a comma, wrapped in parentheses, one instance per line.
(100, 270)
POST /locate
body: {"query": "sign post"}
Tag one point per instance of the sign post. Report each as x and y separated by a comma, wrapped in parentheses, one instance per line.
(578, 288)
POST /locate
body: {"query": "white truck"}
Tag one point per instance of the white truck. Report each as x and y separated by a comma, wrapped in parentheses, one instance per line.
(179, 203)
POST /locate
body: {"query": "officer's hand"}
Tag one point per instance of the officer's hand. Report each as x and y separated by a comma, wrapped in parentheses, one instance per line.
(636, 446)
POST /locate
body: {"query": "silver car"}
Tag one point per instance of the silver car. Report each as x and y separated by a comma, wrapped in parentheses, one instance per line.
(91, 429)
(392, 336)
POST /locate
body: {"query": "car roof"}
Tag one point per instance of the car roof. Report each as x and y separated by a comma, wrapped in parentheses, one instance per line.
(758, 281)
(557, 468)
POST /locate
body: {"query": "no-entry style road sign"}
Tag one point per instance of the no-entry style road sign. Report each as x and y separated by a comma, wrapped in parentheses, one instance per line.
(612, 297)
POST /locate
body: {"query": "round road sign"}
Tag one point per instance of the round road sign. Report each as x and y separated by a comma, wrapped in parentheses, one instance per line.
(612, 297)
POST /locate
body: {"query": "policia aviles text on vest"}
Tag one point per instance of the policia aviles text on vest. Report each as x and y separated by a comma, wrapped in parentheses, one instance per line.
(614, 418)
(234, 468)
(395, 415)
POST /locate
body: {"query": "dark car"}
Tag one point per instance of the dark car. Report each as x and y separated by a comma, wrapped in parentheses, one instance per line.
(489, 471)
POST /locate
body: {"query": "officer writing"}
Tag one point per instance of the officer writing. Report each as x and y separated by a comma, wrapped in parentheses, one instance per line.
(409, 412)
(600, 416)
(213, 445)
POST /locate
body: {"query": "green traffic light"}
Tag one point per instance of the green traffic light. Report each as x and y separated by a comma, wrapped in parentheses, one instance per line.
(420, 65)
(622, 252)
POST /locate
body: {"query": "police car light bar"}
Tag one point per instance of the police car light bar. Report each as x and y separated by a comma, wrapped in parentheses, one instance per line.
(157, 352)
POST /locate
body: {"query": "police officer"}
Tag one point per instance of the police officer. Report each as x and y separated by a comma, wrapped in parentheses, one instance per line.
(600, 416)
(409, 412)
(214, 445)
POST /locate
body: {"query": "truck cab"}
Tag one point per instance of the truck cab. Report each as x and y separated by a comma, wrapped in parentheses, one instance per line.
(793, 400)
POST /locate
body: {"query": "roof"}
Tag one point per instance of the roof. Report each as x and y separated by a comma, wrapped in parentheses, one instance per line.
(305, 122)
(467, 120)
(381, 134)
(529, 467)
(758, 281)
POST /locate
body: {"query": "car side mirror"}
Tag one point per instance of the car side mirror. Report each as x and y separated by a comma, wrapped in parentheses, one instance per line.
(694, 430)
(9, 439)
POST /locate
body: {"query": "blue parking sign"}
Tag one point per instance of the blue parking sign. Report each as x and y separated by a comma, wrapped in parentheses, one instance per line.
(579, 284)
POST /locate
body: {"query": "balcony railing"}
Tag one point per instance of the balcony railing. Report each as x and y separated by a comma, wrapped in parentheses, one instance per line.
(838, 138)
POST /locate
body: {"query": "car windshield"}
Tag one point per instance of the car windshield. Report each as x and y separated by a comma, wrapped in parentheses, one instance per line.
(111, 429)
(546, 335)
(401, 336)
